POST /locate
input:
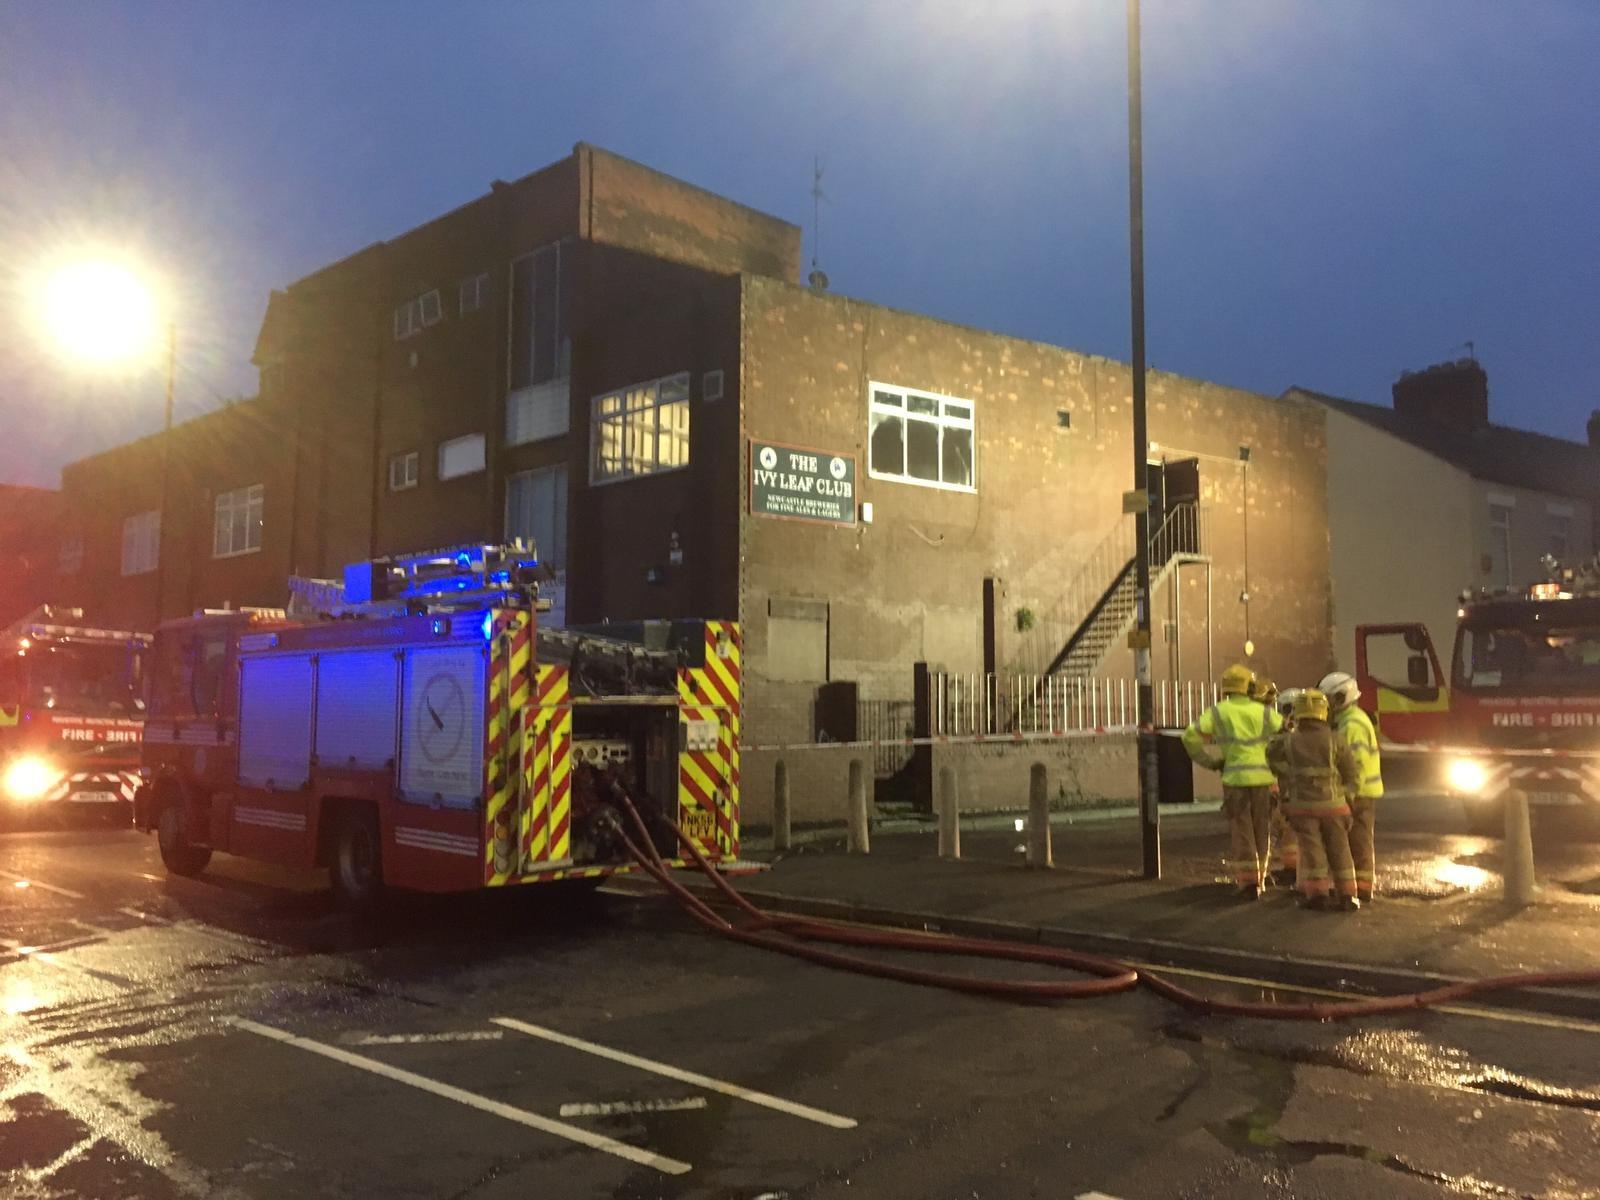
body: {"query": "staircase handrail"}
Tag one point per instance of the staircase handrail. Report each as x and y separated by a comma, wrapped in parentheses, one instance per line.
(1083, 593)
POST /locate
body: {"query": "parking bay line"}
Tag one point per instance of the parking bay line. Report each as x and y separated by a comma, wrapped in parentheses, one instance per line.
(617, 1108)
(572, 1133)
(821, 1117)
(28, 881)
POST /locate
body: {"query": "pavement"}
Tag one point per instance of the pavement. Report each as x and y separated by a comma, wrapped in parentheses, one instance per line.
(235, 1036)
(1439, 914)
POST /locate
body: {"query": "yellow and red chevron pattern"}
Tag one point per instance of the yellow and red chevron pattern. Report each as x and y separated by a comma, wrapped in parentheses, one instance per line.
(547, 768)
(708, 780)
(510, 655)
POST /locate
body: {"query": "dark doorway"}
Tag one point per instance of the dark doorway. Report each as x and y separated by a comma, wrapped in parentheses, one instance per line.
(1174, 487)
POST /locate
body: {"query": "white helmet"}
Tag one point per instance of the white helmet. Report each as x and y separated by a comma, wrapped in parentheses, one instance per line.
(1286, 699)
(1340, 688)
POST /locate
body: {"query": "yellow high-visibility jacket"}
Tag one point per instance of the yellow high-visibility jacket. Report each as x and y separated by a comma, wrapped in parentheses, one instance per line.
(1232, 736)
(1355, 727)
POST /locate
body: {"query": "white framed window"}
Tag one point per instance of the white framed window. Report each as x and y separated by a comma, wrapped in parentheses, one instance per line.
(711, 386)
(922, 438)
(473, 294)
(71, 554)
(237, 520)
(461, 456)
(141, 542)
(536, 511)
(416, 314)
(640, 430)
(404, 470)
(1500, 542)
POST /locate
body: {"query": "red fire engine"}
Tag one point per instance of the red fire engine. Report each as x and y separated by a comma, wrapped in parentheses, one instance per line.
(424, 732)
(71, 713)
(1522, 702)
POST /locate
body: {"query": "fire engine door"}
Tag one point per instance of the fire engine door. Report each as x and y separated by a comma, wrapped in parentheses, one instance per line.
(1402, 686)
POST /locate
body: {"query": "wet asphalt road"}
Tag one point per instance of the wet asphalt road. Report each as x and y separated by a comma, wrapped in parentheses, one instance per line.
(233, 1036)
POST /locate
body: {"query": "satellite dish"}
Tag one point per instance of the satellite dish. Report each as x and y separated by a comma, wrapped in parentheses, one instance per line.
(818, 279)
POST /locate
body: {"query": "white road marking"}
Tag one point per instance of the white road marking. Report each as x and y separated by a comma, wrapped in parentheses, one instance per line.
(410, 1039)
(28, 881)
(616, 1108)
(832, 1120)
(37, 954)
(1094, 1196)
(572, 1133)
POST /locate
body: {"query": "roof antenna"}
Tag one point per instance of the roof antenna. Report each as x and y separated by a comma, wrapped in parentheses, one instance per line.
(818, 277)
(1470, 347)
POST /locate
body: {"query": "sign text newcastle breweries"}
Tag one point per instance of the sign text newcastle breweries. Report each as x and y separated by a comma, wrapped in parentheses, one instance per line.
(806, 485)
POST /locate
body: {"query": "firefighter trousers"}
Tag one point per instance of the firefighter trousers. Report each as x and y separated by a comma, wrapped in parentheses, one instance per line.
(1285, 850)
(1364, 817)
(1325, 863)
(1247, 810)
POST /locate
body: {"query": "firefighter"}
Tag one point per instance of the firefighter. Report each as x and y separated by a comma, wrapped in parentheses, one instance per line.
(1319, 772)
(1231, 737)
(1285, 858)
(1355, 727)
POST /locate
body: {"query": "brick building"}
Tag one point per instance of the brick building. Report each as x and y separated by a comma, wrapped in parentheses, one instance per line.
(596, 356)
(30, 546)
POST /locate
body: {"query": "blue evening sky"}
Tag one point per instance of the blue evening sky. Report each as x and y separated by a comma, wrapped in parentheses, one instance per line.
(1335, 192)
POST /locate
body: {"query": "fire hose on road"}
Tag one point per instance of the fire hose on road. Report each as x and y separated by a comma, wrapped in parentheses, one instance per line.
(799, 937)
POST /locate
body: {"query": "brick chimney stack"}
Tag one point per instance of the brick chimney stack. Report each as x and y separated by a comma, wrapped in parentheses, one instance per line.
(1594, 429)
(1454, 393)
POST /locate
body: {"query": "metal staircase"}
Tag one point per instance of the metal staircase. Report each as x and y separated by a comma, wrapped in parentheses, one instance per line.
(1110, 615)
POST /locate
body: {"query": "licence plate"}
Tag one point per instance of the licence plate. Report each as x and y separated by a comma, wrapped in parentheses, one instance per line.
(96, 797)
(700, 824)
(1555, 799)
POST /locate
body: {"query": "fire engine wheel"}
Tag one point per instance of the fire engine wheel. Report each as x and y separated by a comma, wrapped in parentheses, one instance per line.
(358, 859)
(180, 855)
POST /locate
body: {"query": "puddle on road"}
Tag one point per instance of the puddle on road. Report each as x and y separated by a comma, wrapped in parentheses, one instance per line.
(1255, 1133)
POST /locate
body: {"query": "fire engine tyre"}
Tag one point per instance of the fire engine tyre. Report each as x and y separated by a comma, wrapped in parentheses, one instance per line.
(357, 870)
(180, 855)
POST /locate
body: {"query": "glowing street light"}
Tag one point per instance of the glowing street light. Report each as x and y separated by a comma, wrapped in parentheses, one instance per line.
(100, 312)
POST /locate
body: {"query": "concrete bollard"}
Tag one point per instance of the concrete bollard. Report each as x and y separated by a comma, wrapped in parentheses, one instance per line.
(782, 838)
(949, 814)
(860, 839)
(1039, 817)
(1517, 870)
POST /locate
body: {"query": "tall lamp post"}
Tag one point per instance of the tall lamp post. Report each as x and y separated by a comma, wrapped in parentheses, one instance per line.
(102, 313)
(1149, 790)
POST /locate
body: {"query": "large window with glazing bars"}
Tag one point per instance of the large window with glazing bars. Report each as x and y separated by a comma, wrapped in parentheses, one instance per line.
(237, 521)
(642, 429)
(921, 437)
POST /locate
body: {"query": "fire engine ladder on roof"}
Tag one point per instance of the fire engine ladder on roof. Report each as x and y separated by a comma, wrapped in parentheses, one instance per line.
(1099, 613)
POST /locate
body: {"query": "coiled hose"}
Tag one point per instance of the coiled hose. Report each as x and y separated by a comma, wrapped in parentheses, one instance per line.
(797, 936)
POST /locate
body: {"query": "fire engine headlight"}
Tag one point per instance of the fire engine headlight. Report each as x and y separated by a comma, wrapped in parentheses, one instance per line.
(1466, 776)
(28, 778)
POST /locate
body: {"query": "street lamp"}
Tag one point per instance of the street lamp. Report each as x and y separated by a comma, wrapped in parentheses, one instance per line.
(101, 312)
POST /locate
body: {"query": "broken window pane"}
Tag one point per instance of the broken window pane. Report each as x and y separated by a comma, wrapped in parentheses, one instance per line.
(888, 448)
(922, 450)
(957, 456)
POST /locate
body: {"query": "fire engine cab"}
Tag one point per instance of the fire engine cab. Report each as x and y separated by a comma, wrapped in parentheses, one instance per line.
(421, 731)
(1521, 705)
(71, 713)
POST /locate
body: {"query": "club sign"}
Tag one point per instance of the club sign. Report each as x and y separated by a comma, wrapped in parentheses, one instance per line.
(801, 484)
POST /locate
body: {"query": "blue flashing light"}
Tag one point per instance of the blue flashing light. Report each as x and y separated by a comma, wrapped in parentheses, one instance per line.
(488, 626)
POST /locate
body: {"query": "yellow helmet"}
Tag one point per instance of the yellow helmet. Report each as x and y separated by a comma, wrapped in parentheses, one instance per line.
(1311, 705)
(1237, 680)
(1264, 691)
